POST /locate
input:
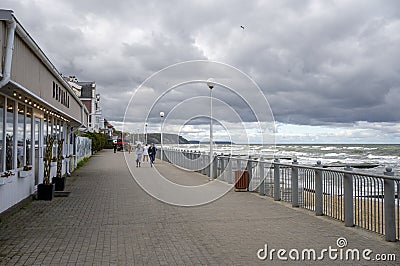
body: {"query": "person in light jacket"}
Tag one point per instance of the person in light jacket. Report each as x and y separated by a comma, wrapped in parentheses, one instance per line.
(139, 153)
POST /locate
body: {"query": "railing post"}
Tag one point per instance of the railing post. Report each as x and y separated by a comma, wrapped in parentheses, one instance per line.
(348, 198)
(214, 173)
(222, 163)
(318, 190)
(182, 161)
(230, 173)
(208, 172)
(198, 162)
(277, 189)
(389, 206)
(295, 184)
(203, 166)
(262, 176)
(189, 160)
(249, 168)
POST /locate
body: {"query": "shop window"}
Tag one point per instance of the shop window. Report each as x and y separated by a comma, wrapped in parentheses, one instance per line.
(28, 134)
(1, 133)
(9, 135)
(20, 135)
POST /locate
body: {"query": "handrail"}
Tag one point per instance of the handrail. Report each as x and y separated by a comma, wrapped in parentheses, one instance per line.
(355, 198)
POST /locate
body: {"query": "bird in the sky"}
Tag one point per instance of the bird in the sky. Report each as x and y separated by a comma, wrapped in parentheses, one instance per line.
(242, 27)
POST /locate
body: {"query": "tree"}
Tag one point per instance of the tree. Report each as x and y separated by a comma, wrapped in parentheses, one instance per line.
(99, 140)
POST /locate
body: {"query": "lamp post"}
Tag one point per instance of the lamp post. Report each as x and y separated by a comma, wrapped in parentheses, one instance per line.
(145, 132)
(161, 135)
(211, 84)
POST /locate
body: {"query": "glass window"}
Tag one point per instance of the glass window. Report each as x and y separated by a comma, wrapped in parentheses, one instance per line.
(28, 142)
(45, 127)
(54, 90)
(20, 135)
(1, 132)
(37, 134)
(55, 134)
(9, 134)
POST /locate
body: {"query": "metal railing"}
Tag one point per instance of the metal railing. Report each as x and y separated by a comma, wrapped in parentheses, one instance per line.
(369, 201)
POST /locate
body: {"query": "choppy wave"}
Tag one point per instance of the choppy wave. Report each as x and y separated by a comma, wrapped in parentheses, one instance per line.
(383, 155)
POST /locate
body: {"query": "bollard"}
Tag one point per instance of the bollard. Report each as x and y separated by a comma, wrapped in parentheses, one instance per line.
(261, 166)
(277, 189)
(389, 206)
(249, 168)
(295, 184)
(318, 190)
(348, 198)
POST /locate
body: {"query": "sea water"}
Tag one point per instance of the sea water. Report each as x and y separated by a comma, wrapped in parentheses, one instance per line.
(384, 155)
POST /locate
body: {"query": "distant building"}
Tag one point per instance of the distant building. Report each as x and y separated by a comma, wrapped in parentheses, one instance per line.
(108, 130)
(91, 100)
(86, 91)
(72, 81)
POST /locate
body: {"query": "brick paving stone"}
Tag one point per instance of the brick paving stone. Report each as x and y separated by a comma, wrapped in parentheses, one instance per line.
(109, 220)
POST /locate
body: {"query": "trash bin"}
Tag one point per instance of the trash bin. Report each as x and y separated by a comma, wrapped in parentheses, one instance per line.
(241, 180)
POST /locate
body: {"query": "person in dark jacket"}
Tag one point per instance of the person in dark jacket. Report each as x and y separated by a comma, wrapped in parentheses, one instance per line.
(152, 154)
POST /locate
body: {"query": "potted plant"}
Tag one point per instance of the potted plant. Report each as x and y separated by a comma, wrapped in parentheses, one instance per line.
(53, 167)
(26, 171)
(46, 189)
(59, 179)
(4, 177)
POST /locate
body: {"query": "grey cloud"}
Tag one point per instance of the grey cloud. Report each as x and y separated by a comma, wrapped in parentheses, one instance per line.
(317, 62)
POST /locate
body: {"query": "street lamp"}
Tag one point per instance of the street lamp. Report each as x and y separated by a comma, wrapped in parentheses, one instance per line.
(211, 84)
(145, 132)
(161, 136)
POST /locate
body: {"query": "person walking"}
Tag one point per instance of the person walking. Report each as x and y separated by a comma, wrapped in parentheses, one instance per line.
(152, 154)
(139, 153)
(146, 153)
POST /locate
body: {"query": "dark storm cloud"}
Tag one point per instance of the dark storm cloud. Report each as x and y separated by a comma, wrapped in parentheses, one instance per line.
(317, 62)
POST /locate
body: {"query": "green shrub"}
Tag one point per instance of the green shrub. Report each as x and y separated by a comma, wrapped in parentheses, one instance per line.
(82, 162)
(99, 140)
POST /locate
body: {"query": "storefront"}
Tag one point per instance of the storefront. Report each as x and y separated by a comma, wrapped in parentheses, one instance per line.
(35, 101)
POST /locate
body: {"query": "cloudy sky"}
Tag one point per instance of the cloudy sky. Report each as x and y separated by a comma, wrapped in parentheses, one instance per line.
(330, 70)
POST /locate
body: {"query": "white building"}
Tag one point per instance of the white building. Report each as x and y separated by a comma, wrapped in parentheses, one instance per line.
(35, 101)
(91, 99)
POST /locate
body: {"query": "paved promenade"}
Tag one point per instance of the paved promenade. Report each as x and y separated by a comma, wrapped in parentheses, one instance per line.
(109, 220)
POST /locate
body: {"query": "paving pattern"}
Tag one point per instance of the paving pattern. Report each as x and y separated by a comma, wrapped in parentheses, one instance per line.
(109, 220)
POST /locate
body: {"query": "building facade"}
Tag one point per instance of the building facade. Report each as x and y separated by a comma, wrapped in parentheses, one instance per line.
(35, 101)
(91, 99)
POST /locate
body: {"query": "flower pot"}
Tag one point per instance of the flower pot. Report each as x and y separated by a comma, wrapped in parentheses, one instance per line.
(23, 174)
(45, 192)
(59, 183)
(53, 169)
